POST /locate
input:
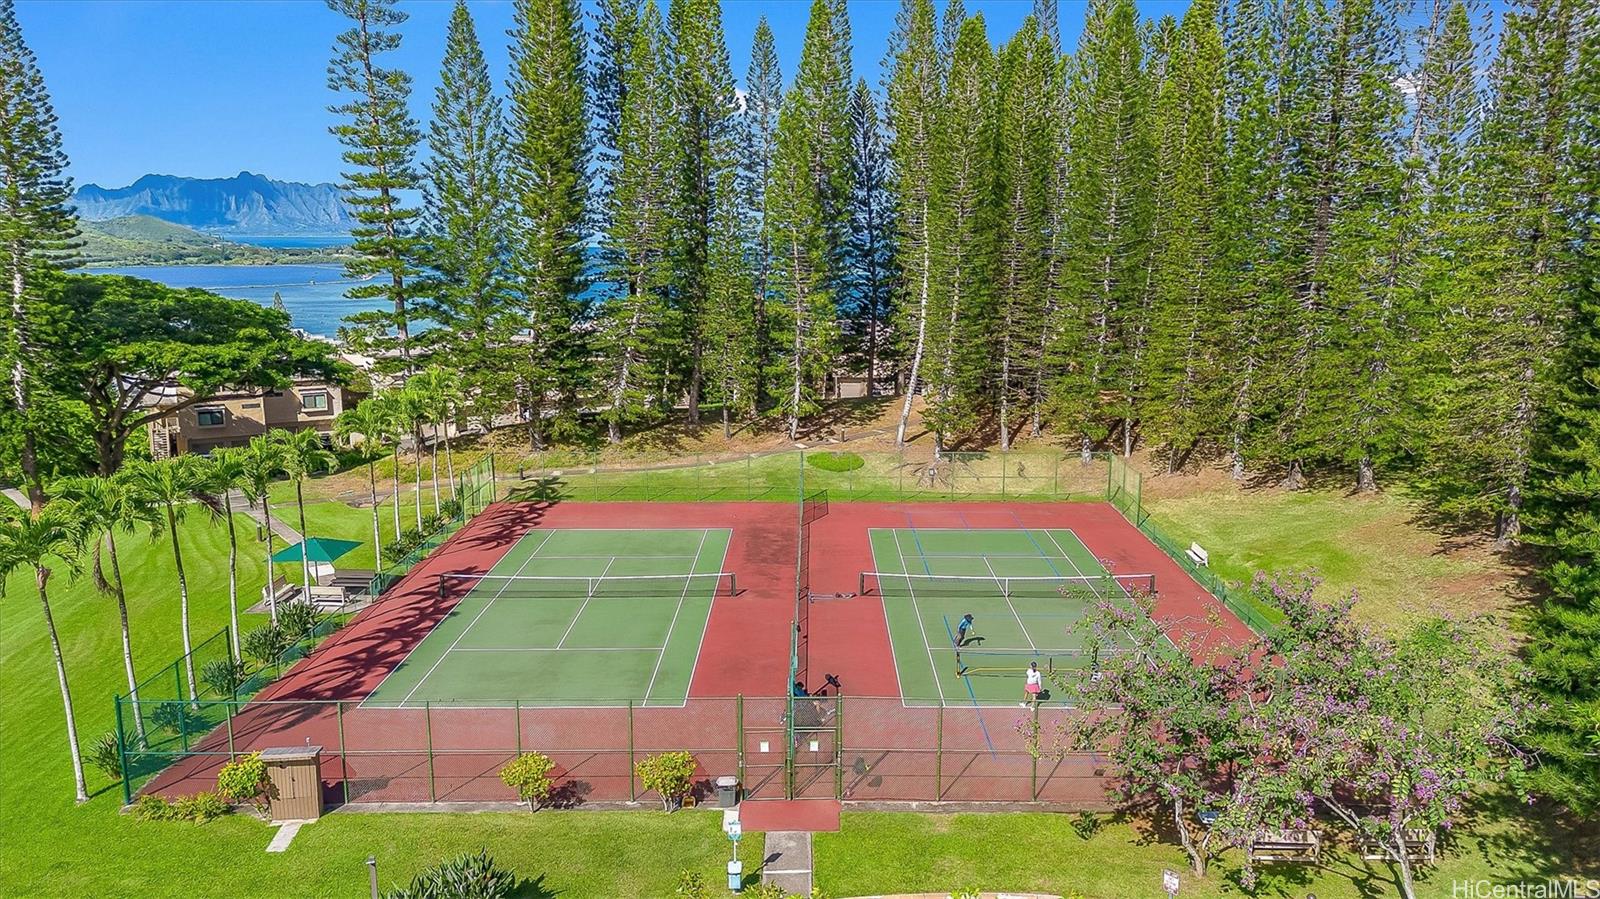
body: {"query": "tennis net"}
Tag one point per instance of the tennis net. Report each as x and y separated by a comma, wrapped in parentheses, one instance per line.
(1107, 585)
(1010, 663)
(529, 586)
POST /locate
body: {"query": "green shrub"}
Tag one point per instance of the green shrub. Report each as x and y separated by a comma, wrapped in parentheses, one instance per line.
(297, 621)
(691, 885)
(529, 775)
(201, 807)
(765, 891)
(835, 461)
(154, 808)
(671, 774)
(106, 754)
(175, 717)
(265, 643)
(463, 877)
(244, 780)
(224, 676)
(1086, 824)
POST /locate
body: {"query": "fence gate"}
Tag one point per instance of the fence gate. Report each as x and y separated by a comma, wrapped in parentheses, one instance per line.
(764, 748)
(816, 747)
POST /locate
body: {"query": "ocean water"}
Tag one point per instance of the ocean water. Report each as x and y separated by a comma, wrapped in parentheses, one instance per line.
(313, 294)
(291, 241)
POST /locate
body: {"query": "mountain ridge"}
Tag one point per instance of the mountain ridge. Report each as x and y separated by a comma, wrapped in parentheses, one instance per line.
(246, 203)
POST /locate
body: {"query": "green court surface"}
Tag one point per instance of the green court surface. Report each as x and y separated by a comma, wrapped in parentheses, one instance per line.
(570, 617)
(1026, 589)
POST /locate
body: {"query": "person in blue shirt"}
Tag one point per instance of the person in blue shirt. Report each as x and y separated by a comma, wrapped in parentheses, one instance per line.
(962, 628)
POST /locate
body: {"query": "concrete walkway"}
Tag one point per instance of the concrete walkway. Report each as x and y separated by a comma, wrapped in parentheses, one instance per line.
(16, 496)
(279, 529)
(787, 861)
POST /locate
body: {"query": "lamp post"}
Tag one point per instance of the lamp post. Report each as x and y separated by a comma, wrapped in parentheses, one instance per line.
(372, 874)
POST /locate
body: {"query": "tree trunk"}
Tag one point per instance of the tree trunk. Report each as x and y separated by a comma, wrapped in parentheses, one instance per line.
(233, 570)
(27, 455)
(41, 576)
(922, 332)
(433, 462)
(183, 603)
(397, 488)
(416, 459)
(1366, 476)
(1508, 523)
(1086, 450)
(101, 585)
(127, 641)
(1295, 479)
(1127, 438)
(377, 533)
(449, 460)
(694, 385)
(272, 587)
(1197, 856)
(1402, 864)
(727, 424)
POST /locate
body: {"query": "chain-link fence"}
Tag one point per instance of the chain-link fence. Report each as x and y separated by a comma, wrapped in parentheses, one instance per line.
(474, 491)
(856, 748)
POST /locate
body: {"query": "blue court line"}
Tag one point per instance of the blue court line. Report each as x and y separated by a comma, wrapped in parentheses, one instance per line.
(1046, 556)
(920, 554)
(970, 692)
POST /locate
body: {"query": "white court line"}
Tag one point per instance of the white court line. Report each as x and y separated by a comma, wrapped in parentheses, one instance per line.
(583, 605)
(687, 583)
(705, 625)
(917, 612)
(407, 658)
(1063, 550)
(459, 637)
(558, 649)
(1025, 635)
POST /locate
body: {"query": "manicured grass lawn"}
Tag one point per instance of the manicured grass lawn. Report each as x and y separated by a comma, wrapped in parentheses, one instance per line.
(888, 852)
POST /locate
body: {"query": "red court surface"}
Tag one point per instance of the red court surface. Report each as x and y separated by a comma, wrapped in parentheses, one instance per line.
(884, 751)
(789, 814)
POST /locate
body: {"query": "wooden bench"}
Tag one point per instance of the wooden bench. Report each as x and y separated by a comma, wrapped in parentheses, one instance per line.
(1199, 556)
(1420, 845)
(1296, 846)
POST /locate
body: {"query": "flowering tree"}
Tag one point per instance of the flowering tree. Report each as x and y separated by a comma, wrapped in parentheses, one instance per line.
(1322, 715)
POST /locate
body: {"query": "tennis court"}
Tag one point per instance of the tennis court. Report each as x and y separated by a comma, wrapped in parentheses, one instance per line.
(1025, 588)
(570, 617)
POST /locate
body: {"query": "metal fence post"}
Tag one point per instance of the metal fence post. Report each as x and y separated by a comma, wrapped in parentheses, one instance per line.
(633, 796)
(344, 760)
(938, 755)
(1033, 760)
(838, 747)
(738, 727)
(228, 718)
(516, 723)
(122, 754)
(427, 724)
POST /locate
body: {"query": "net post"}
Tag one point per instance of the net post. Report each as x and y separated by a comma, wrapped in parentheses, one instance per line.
(122, 754)
(633, 796)
(344, 759)
(938, 755)
(427, 724)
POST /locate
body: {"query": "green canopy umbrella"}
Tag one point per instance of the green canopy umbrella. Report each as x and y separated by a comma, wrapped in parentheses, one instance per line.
(318, 549)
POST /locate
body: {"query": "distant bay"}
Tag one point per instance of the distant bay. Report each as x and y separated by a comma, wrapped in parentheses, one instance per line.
(291, 241)
(313, 294)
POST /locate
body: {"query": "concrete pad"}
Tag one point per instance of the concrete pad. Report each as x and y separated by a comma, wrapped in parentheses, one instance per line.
(787, 861)
(284, 836)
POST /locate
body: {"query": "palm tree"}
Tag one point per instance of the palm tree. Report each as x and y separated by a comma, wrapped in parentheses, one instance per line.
(263, 461)
(31, 541)
(104, 506)
(304, 454)
(369, 421)
(411, 409)
(444, 390)
(228, 470)
(171, 484)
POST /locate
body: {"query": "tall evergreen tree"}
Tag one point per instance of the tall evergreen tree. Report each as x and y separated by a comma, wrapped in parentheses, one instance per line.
(37, 229)
(915, 94)
(380, 139)
(1025, 171)
(464, 225)
(758, 132)
(635, 320)
(1183, 361)
(823, 77)
(705, 104)
(549, 180)
(1507, 311)
(1048, 15)
(1107, 211)
(963, 233)
(615, 24)
(731, 295)
(866, 305)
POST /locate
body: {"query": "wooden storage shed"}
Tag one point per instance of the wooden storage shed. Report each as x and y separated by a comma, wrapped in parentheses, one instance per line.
(296, 776)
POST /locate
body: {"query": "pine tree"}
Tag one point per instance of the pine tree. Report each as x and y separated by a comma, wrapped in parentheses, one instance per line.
(549, 178)
(380, 139)
(1183, 359)
(1107, 210)
(758, 131)
(1025, 171)
(955, 15)
(37, 228)
(866, 306)
(1564, 501)
(615, 24)
(635, 321)
(464, 225)
(705, 105)
(730, 297)
(915, 94)
(823, 77)
(1506, 323)
(1047, 14)
(963, 233)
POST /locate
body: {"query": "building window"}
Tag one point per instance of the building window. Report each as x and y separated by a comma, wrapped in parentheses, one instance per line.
(209, 418)
(314, 402)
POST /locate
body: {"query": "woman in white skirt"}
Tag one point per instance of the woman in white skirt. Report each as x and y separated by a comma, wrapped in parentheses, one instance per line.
(1034, 685)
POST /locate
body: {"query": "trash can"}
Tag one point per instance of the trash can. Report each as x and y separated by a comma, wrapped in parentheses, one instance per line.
(727, 791)
(295, 774)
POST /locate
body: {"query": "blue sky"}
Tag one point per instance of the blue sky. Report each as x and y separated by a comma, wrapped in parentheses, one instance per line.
(208, 89)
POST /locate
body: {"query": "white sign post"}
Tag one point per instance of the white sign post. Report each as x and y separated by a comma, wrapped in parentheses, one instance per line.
(1169, 882)
(734, 831)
